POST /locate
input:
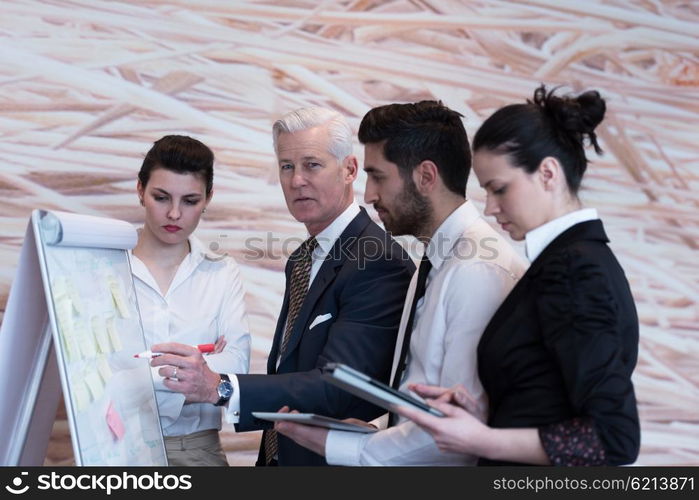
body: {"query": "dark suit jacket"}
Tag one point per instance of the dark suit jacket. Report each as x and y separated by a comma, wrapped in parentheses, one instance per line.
(564, 344)
(362, 283)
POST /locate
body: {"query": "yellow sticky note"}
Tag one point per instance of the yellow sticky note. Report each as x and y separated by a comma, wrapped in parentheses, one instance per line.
(59, 287)
(99, 331)
(64, 317)
(72, 354)
(94, 383)
(113, 334)
(81, 396)
(103, 368)
(85, 340)
(74, 297)
(64, 314)
(118, 297)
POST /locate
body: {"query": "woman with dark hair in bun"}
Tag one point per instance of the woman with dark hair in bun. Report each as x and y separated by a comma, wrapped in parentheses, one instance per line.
(556, 358)
(187, 295)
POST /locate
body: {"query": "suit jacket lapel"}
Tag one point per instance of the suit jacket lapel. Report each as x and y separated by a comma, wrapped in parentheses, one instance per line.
(326, 274)
(589, 230)
(324, 277)
(281, 320)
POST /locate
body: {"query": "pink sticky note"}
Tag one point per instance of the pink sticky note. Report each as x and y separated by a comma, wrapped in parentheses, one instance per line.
(114, 422)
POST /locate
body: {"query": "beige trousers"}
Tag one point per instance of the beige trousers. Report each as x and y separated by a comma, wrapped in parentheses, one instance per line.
(198, 449)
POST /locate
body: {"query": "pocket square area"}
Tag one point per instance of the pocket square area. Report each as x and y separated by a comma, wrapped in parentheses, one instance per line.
(321, 318)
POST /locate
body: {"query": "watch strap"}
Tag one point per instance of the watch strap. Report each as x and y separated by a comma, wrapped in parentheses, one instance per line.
(222, 400)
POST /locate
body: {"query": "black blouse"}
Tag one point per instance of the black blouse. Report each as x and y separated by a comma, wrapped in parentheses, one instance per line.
(559, 353)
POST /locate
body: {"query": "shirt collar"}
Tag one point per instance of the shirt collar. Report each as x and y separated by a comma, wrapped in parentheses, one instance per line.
(197, 253)
(450, 232)
(327, 237)
(539, 238)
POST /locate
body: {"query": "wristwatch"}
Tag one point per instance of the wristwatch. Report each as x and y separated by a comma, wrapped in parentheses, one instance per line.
(224, 389)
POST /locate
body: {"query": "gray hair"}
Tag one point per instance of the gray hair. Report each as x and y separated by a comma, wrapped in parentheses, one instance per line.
(306, 118)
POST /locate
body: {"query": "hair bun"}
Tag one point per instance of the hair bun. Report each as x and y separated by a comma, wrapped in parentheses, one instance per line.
(573, 117)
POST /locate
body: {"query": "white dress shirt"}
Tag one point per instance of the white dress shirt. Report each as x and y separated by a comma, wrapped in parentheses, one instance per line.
(539, 238)
(326, 240)
(205, 301)
(473, 270)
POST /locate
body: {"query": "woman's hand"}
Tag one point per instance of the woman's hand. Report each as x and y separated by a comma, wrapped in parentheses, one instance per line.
(459, 431)
(457, 395)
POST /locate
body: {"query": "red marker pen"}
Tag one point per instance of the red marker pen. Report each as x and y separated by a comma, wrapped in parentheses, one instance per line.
(203, 348)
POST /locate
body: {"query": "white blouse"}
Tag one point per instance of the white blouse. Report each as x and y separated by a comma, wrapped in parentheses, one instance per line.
(205, 301)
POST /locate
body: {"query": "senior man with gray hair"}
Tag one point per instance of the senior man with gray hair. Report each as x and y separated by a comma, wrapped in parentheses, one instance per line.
(345, 287)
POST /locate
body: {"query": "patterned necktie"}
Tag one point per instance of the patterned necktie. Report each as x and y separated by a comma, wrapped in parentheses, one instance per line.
(300, 276)
(420, 286)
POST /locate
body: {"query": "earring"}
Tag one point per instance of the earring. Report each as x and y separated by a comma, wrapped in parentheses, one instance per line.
(141, 200)
(203, 211)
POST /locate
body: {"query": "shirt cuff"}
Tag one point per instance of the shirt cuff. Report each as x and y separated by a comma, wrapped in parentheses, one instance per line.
(232, 408)
(573, 442)
(343, 448)
(381, 422)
